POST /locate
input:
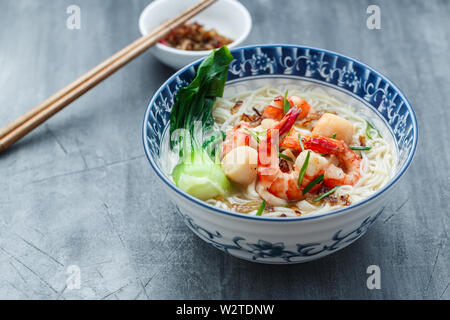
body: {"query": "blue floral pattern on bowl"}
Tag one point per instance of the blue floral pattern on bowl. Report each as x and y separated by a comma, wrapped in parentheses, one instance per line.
(263, 249)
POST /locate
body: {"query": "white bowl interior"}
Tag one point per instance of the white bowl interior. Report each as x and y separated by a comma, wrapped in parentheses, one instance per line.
(229, 17)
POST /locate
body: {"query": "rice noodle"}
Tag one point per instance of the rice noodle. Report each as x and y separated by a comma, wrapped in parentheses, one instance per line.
(377, 166)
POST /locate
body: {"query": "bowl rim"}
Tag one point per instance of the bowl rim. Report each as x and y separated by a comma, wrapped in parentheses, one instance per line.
(199, 53)
(211, 208)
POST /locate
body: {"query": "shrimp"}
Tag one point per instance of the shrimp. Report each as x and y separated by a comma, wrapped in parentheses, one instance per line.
(239, 136)
(275, 109)
(274, 185)
(334, 175)
(351, 162)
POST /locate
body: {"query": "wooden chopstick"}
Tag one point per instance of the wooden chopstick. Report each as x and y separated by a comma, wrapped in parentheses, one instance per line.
(39, 114)
(28, 115)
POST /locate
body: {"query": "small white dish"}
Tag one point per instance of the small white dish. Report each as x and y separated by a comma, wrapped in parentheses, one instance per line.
(229, 17)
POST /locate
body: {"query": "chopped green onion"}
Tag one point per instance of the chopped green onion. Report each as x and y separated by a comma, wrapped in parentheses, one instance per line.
(313, 183)
(370, 126)
(301, 142)
(326, 194)
(360, 148)
(303, 169)
(368, 130)
(286, 104)
(285, 157)
(254, 135)
(334, 136)
(261, 208)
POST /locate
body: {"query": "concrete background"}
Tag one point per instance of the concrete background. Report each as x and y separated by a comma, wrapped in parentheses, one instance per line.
(79, 190)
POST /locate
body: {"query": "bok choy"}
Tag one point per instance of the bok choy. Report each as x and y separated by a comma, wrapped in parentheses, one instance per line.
(192, 129)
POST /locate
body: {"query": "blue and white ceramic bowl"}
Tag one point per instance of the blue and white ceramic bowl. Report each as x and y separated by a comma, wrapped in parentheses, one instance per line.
(305, 238)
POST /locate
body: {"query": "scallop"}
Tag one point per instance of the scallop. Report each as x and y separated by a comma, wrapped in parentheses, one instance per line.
(330, 124)
(240, 165)
(316, 163)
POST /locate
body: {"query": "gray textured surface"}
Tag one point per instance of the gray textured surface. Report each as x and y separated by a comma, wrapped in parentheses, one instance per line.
(79, 191)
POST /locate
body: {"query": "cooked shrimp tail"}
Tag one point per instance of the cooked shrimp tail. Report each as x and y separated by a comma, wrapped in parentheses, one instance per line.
(318, 144)
(267, 151)
(276, 108)
(349, 160)
(287, 122)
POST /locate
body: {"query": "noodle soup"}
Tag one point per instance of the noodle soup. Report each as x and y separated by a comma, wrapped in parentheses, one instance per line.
(337, 134)
(365, 141)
